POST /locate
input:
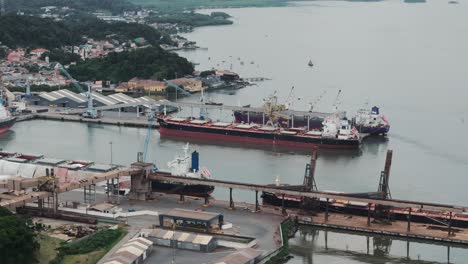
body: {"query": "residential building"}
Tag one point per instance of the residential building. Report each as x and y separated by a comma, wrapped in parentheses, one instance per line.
(191, 85)
(146, 85)
(38, 52)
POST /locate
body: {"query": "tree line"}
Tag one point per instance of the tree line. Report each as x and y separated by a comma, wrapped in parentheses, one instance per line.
(152, 62)
(33, 6)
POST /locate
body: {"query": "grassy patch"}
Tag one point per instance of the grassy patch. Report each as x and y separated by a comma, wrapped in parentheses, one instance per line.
(48, 249)
(92, 257)
(91, 249)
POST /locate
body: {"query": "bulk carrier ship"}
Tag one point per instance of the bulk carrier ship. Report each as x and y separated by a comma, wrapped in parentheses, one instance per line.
(335, 133)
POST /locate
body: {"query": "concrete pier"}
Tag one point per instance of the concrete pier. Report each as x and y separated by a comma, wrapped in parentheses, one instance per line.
(355, 223)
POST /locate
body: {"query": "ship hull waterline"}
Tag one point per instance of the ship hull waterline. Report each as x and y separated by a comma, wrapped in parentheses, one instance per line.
(6, 125)
(175, 133)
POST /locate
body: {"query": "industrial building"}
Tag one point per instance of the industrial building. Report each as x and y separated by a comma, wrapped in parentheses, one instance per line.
(68, 99)
(191, 219)
(182, 240)
(244, 256)
(135, 251)
(60, 98)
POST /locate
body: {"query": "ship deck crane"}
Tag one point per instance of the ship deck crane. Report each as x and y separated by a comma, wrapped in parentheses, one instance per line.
(337, 102)
(317, 100)
(90, 111)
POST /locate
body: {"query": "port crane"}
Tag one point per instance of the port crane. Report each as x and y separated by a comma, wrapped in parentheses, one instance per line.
(143, 156)
(203, 111)
(90, 111)
(337, 102)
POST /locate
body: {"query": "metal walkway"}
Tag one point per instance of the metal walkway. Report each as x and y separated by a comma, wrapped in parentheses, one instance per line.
(313, 194)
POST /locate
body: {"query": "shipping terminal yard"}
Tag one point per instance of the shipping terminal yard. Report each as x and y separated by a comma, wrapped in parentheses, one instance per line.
(184, 218)
(302, 132)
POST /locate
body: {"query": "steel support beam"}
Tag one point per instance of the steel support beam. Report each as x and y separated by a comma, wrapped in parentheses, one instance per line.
(231, 201)
(368, 214)
(409, 220)
(257, 206)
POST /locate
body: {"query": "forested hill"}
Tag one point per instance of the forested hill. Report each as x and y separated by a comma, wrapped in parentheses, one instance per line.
(152, 62)
(98, 29)
(34, 32)
(33, 6)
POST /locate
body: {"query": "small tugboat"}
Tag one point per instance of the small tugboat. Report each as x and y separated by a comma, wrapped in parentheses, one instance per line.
(185, 166)
(371, 122)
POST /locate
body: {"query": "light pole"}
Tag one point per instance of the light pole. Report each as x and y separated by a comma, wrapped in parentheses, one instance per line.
(110, 143)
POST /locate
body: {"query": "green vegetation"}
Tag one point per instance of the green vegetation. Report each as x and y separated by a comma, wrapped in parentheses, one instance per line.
(17, 239)
(151, 62)
(89, 249)
(33, 6)
(191, 19)
(34, 32)
(282, 255)
(48, 250)
(61, 56)
(171, 5)
(98, 29)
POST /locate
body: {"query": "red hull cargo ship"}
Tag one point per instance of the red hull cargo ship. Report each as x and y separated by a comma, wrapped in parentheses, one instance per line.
(336, 134)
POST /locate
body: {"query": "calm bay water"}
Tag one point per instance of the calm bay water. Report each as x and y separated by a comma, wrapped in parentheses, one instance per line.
(410, 59)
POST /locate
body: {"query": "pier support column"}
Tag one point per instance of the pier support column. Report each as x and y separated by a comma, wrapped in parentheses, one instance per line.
(40, 203)
(140, 183)
(231, 201)
(119, 113)
(448, 254)
(326, 240)
(108, 189)
(257, 206)
(207, 202)
(182, 199)
(450, 225)
(407, 249)
(138, 111)
(283, 209)
(368, 214)
(326, 210)
(408, 229)
(367, 242)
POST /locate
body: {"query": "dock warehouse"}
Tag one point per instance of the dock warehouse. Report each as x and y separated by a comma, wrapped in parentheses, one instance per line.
(244, 256)
(182, 240)
(191, 219)
(135, 251)
(61, 98)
